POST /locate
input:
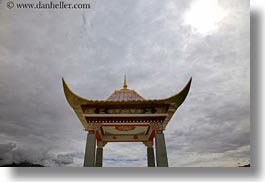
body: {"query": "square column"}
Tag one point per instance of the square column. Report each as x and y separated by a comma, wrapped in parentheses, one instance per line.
(99, 154)
(89, 160)
(150, 153)
(161, 152)
(150, 157)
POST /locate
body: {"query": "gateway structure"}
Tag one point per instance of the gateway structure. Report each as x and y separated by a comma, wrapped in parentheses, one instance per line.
(125, 116)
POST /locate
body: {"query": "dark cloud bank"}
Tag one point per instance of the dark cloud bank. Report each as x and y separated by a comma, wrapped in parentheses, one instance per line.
(10, 153)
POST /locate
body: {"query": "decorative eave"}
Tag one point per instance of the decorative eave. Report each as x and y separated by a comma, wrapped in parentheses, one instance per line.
(179, 98)
(76, 102)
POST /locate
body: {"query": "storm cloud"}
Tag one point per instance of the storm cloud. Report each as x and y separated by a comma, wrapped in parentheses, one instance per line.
(92, 49)
(11, 153)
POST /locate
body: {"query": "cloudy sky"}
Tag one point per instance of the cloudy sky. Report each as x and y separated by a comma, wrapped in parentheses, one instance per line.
(159, 45)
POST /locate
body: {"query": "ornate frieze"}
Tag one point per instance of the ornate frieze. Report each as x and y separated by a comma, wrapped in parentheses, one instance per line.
(147, 110)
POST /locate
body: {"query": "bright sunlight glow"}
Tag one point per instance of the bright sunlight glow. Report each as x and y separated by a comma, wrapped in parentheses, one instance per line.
(204, 16)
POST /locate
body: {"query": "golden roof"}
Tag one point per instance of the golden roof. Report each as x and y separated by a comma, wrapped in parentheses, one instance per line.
(124, 94)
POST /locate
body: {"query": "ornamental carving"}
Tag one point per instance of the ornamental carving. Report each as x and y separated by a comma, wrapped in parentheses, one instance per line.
(124, 128)
(90, 111)
(94, 126)
(157, 110)
(157, 126)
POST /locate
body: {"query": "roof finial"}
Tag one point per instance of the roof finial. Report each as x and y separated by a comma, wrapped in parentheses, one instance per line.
(124, 83)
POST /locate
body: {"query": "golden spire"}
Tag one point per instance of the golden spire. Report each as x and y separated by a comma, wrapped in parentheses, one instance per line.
(124, 83)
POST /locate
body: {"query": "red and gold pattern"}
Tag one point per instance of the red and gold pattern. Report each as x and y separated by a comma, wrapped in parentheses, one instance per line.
(124, 95)
(125, 128)
(126, 115)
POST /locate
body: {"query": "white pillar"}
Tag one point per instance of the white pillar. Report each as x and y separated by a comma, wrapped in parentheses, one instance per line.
(161, 152)
(99, 154)
(89, 160)
(150, 157)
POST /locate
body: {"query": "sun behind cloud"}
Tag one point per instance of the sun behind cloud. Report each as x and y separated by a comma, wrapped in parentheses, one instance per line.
(204, 16)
